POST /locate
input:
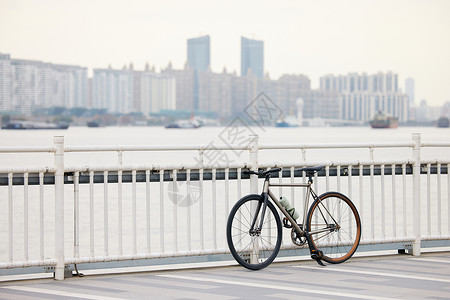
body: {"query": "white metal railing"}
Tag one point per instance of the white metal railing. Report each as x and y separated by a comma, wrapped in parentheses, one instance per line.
(122, 212)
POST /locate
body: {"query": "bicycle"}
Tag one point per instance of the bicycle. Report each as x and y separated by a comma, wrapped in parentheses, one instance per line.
(332, 227)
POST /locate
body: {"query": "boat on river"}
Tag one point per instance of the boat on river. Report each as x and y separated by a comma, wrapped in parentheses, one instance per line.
(289, 121)
(382, 120)
(22, 125)
(184, 124)
(443, 122)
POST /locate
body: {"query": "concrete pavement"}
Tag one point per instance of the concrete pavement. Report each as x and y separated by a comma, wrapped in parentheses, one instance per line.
(380, 277)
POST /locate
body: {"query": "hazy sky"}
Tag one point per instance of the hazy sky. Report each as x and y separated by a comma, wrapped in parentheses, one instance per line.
(316, 37)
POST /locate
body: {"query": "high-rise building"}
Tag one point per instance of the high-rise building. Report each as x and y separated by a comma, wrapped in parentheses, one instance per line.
(215, 92)
(157, 92)
(184, 85)
(354, 82)
(26, 85)
(199, 60)
(5, 82)
(252, 57)
(409, 89)
(113, 90)
(198, 53)
(362, 96)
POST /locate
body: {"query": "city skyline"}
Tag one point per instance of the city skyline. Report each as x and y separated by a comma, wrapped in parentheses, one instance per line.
(410, 38)
(31, 85)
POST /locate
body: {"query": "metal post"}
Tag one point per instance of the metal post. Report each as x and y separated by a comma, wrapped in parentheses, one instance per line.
(253, 145)
(416, 194)
(59, 207)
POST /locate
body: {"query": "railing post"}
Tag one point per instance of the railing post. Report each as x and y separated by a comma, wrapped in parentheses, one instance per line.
(253, 144)
(59, 207)
(416, 194)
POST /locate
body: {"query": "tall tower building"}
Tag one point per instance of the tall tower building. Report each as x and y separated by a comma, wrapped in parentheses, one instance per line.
(199, 60)
(409, 89)
(252, 57)
(198, 52)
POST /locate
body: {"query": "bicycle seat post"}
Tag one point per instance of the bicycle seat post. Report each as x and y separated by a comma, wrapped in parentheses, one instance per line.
(310, 176)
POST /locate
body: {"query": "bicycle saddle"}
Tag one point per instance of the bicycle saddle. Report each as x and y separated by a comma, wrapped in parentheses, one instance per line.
(311, 170)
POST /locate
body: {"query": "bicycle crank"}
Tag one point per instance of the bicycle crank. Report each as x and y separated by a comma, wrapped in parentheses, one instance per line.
(296, 239)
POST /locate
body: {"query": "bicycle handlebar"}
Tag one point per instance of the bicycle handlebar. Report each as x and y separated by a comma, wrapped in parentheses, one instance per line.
(264, 173)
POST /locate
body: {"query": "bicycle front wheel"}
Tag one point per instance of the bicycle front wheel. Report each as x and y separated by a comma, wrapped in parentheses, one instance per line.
(254, 248)
(334, 227)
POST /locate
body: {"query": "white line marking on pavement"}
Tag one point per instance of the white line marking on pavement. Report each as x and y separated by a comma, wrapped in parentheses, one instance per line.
(275, 287)
(57, 293)
(431, 260)
(377, 273)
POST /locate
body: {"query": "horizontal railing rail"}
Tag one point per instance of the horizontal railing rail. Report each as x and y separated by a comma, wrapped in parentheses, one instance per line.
(141, 176)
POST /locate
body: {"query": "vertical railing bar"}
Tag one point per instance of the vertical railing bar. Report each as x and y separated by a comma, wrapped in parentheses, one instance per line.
(394, 203)
(91, 211)
(429, 199)
(338, 183)
(316, 183)
(239, 193)
(372, 202)
(292, 189)
(105, 213)
(25, 216)
(327, 176)
(439, 200)
(269, 224)
(175, 211)
(227, 192)
(41, 214)
(383, 204)
(405, 231)
(361, 195)
(10, 217)
(280, 180)
(338, 178)
(304, 190)
(202, 241)
(134, 210)
(350, 181)
(161, 210)
(214, 207)
(190, 202)
(119, 212)
(147, 209)
(448, 199)
(349, 193)
(76, 215)
(316, 187)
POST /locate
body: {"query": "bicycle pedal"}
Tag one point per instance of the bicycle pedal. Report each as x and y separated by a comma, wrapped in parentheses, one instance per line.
(317, 257)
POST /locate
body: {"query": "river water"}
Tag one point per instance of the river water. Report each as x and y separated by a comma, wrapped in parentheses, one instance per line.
(77, 136)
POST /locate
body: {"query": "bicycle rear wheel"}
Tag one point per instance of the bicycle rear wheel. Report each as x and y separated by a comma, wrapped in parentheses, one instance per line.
(334, 226)
(254, 248)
